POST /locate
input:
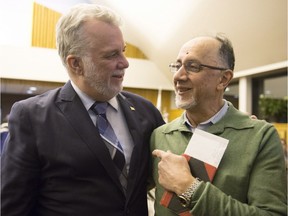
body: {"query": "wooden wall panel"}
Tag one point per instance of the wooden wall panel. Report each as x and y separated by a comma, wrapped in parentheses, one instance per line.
(282, 129)
(134, 52)
(43, 27)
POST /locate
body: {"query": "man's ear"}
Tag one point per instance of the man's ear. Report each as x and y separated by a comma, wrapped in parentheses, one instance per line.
(226, 77)
(75, 64)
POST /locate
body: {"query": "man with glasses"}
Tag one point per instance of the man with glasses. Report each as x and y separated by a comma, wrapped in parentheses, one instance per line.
(251, 177)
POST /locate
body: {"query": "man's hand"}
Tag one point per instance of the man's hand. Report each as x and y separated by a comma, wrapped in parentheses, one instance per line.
(174, 171)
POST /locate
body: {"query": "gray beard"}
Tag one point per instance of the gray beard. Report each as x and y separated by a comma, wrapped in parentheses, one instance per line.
(184, 105)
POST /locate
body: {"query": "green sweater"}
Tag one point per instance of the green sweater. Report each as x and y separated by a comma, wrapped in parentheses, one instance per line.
(251, 178)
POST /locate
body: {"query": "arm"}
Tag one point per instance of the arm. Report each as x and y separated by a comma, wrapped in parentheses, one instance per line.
(20, 170)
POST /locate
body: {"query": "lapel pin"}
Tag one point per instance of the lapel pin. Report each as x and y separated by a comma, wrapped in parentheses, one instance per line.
(132, 108)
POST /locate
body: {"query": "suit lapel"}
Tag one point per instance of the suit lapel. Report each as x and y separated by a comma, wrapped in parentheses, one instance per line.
(73, 109)
(132, 119)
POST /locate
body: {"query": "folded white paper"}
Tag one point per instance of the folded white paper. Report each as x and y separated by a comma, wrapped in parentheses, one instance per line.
(206, 147)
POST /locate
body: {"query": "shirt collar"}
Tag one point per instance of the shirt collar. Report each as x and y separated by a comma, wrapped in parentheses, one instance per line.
(88, 101)
(213, 120)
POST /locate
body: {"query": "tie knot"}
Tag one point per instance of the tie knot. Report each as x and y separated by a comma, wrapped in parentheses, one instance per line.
(100, 107)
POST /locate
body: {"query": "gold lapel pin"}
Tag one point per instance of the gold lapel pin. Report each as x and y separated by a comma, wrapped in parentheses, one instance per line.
(132, 108)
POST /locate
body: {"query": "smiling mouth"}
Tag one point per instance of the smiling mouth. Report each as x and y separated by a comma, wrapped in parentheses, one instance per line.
(183, 90)
(118, 76)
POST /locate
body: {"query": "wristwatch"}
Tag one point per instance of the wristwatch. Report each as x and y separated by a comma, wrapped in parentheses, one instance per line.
(185, 197)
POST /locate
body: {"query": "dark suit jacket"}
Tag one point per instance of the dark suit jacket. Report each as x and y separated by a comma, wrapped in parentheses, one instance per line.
(55, 162)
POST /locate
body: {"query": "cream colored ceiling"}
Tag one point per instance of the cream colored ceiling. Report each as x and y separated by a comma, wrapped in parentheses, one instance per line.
(257, 28)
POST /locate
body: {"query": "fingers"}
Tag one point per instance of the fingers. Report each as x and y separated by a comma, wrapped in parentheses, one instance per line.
(158, 153)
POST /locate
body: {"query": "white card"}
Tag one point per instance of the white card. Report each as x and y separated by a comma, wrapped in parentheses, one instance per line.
(206, 147)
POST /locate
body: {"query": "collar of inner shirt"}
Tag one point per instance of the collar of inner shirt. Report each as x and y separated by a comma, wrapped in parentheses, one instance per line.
(215, 118)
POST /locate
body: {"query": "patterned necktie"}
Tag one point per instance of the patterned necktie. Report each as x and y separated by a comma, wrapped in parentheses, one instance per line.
(108, 135)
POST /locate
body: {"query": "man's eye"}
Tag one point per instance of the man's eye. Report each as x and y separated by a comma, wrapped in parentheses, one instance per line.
(111, 55)
(193, 66)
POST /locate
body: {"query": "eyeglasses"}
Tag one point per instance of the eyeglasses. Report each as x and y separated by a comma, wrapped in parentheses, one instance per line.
(192, 67)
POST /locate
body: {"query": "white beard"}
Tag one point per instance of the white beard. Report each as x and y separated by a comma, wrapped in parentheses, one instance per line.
(184, 104)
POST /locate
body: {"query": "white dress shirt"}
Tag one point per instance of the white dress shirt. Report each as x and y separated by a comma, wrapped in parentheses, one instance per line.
(116, 119)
